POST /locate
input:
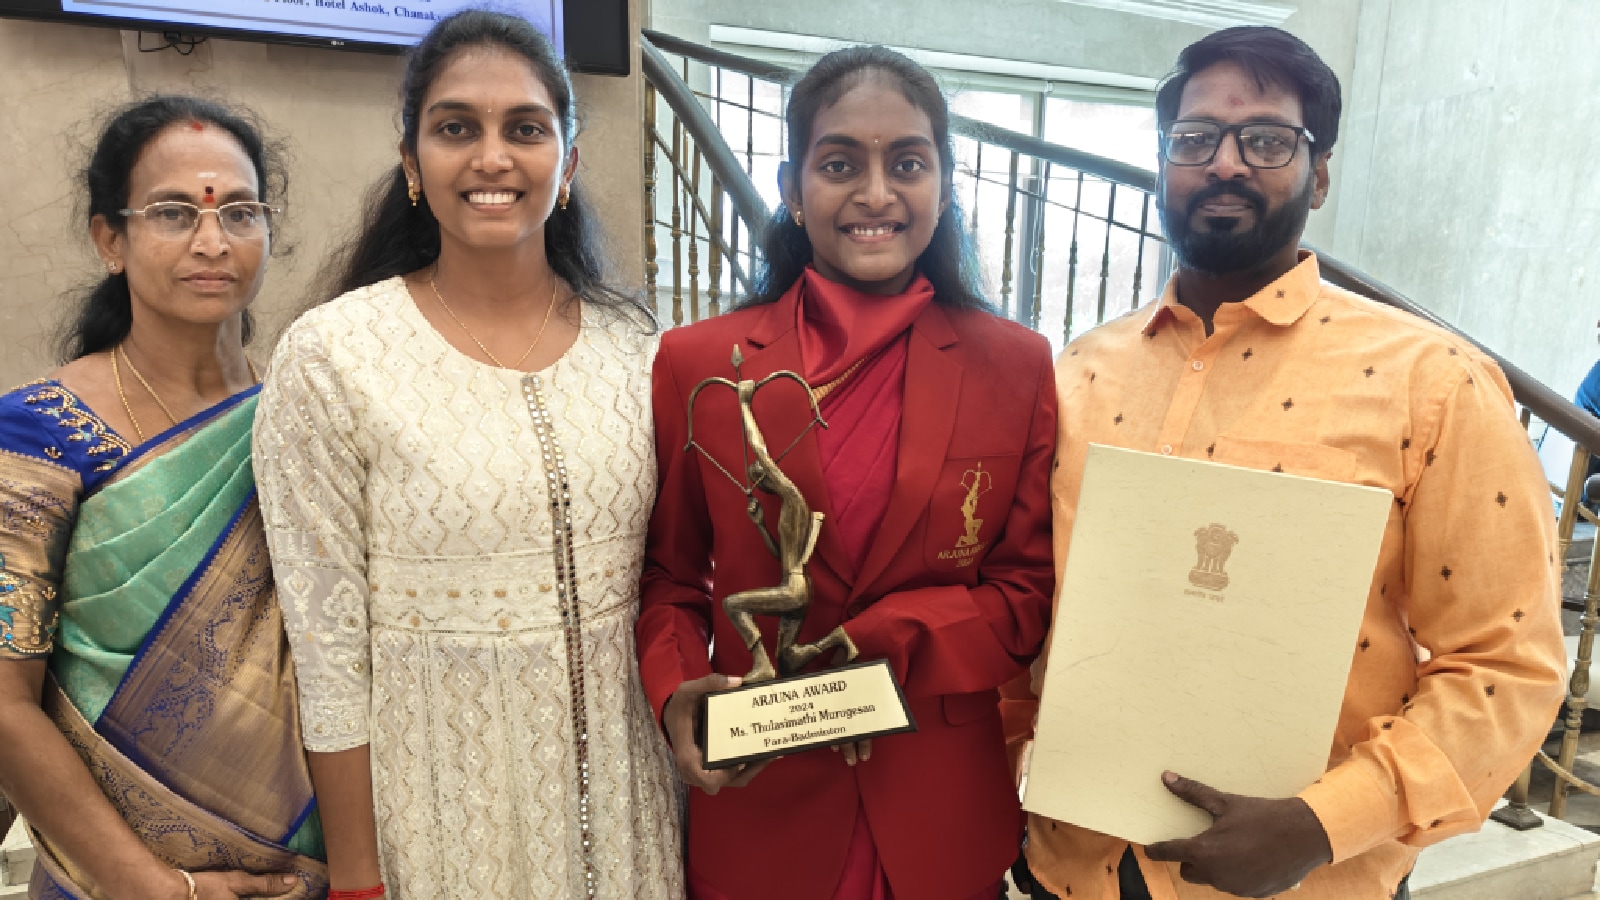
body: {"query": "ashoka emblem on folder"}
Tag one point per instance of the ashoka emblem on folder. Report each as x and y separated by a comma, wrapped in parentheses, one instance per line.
(1212, 544)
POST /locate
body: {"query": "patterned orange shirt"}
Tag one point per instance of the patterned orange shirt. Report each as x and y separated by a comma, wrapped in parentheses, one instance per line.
(1460, 667)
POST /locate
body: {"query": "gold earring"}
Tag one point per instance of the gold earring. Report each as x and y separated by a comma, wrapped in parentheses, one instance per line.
(799, 219)
(566, 194)
(412, 192)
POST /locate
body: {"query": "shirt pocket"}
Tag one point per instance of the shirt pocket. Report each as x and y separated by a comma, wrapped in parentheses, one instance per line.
(968, 508)
(1317, 461)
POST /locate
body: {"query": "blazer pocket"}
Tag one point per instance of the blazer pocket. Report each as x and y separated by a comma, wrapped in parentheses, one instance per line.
(959, 709)
(969, 506)
(1317, 461)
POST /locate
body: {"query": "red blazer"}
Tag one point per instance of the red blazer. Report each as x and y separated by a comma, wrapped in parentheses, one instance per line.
(941, 802)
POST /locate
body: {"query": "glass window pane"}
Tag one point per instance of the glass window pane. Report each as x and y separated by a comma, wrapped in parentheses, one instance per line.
(982, 187)
(1123, 133)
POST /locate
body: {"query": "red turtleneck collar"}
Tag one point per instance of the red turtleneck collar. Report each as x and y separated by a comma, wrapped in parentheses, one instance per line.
(840, 326)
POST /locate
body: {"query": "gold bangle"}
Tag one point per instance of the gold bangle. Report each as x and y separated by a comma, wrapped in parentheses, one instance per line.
(190, 880)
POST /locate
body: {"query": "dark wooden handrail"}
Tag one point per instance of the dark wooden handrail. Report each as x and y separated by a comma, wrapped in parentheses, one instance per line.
(722, 59)
(1559, 412)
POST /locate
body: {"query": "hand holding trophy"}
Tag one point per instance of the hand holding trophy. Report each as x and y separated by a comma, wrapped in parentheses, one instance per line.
(775, 710)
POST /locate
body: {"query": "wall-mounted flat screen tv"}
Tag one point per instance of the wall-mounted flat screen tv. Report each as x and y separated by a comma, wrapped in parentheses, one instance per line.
(592, 34)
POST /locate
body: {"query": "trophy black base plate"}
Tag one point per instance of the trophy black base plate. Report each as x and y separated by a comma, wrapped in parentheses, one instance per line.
(784, 716)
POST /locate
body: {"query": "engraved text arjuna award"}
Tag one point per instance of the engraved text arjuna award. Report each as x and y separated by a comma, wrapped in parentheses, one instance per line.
(769, 715)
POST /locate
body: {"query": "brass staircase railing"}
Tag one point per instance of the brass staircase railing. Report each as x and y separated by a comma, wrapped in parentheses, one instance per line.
(722, 126)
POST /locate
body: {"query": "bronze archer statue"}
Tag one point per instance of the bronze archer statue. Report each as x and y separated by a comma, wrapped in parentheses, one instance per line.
(798, 529)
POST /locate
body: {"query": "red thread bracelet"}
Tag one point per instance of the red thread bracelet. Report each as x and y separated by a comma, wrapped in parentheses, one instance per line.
(371, 893)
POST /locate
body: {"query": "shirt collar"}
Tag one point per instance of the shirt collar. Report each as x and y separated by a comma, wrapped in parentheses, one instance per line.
(1282, 302)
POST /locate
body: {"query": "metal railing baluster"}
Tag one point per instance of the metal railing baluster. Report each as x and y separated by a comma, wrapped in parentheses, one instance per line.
(1105, 260)
(1037, 313)
(1011, 230)
(1138, 266)
(1072, 263)
(1516, 813)
(714, 292)
(694, 238)
(652, 268)
(1578, 684)
(677, 221)
(977, 186)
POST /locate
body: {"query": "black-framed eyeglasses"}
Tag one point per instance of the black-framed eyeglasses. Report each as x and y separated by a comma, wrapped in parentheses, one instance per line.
(247, 220)
(1262, 145)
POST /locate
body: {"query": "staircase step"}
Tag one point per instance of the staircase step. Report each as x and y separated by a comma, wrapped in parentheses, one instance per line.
(1554, 862)
(16, 861)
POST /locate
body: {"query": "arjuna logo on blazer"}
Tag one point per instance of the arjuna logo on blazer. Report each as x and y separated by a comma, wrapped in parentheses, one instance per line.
(965, 544)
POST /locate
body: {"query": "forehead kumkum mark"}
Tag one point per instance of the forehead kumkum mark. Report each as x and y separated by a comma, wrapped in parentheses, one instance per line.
(211, 195)
(197, 125)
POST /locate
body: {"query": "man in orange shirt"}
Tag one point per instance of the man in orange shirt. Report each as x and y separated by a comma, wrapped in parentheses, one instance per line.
(1249, 359)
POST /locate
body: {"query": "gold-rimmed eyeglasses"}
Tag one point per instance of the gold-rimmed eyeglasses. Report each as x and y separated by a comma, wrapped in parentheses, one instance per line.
(247, 220)
(1262, 145)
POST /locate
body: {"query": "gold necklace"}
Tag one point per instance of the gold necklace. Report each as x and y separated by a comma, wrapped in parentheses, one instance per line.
(554, 285)
(817, 393)
(116, 376)
(152, 391)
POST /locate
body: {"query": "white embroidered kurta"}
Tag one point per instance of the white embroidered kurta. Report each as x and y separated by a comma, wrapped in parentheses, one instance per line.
(457, 549)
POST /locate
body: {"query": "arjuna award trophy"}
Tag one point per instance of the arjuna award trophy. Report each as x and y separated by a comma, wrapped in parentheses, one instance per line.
(776, 711)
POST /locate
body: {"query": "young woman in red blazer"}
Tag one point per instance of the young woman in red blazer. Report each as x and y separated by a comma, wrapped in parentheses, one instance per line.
(933, 476)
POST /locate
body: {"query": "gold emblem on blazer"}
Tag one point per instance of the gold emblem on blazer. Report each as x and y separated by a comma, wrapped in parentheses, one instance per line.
(976, 482)
(1212, 546)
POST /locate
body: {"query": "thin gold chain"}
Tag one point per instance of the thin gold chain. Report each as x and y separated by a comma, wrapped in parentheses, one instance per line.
(817, 393)
(116, 376)
(554, 285)
(152, 391)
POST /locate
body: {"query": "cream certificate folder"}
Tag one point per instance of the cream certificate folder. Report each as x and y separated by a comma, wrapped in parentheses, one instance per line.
(1207, 619)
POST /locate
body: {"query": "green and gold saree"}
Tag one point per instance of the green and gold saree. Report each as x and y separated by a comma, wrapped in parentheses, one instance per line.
(142, 574)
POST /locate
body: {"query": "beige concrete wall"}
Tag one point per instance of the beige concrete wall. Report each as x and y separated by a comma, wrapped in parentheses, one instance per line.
(1471, 171)
(336, 112)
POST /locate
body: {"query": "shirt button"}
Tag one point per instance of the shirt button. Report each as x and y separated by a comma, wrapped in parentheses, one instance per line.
(1198, 365)
(1166, 449)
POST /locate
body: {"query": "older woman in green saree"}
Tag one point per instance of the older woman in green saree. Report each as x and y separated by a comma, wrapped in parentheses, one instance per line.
(148, 725)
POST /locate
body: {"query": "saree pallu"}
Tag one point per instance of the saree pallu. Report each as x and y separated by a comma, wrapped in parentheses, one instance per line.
(171, 674)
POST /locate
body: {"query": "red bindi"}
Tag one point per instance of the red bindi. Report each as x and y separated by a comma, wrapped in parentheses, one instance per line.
(198, 125)
(211, 195)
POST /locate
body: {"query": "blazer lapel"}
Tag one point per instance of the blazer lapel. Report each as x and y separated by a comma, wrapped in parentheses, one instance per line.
(783, 411)
(932, 388)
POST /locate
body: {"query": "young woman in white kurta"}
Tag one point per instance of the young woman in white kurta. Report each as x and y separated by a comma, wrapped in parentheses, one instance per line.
(458, 537)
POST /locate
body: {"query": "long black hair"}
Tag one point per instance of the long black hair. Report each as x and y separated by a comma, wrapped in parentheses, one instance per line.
(397, 238)
(949, 261)
(105, 310)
